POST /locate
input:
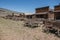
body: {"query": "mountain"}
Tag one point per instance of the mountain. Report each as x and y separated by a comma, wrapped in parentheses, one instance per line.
(4, 12)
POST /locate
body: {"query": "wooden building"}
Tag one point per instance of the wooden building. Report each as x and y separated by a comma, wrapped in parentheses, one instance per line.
(57, 8)
(29, 16)
(46, 13)
(42, 9)
(42, 13)
(57, 11)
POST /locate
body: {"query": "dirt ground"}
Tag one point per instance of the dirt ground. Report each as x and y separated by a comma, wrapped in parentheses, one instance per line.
(14, 30)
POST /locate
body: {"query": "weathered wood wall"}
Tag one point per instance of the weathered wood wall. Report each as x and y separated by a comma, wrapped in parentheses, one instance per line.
(43, 9)
(56, 7)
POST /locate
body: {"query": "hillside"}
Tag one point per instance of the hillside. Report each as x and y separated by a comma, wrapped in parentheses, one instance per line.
(4, 12)
(14, 30)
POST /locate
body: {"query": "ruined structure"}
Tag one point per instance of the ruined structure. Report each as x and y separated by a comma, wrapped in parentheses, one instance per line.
(16, 16)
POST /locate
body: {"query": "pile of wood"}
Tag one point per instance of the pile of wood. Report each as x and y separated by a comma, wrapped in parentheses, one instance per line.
(33, 23)
(52, 27)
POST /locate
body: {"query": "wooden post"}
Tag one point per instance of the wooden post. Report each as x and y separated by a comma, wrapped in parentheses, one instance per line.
(12, 14)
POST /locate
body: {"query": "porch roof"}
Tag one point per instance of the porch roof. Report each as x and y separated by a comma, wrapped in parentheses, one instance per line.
(41, 13)
(57, 11)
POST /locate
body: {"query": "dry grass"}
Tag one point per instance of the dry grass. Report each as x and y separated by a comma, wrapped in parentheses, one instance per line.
(14, 30)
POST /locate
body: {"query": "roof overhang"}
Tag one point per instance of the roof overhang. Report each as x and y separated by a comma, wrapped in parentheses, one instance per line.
(41, 13)
(57, 11)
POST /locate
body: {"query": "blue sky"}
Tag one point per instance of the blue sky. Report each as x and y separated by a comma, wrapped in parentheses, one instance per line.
(27, 5)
